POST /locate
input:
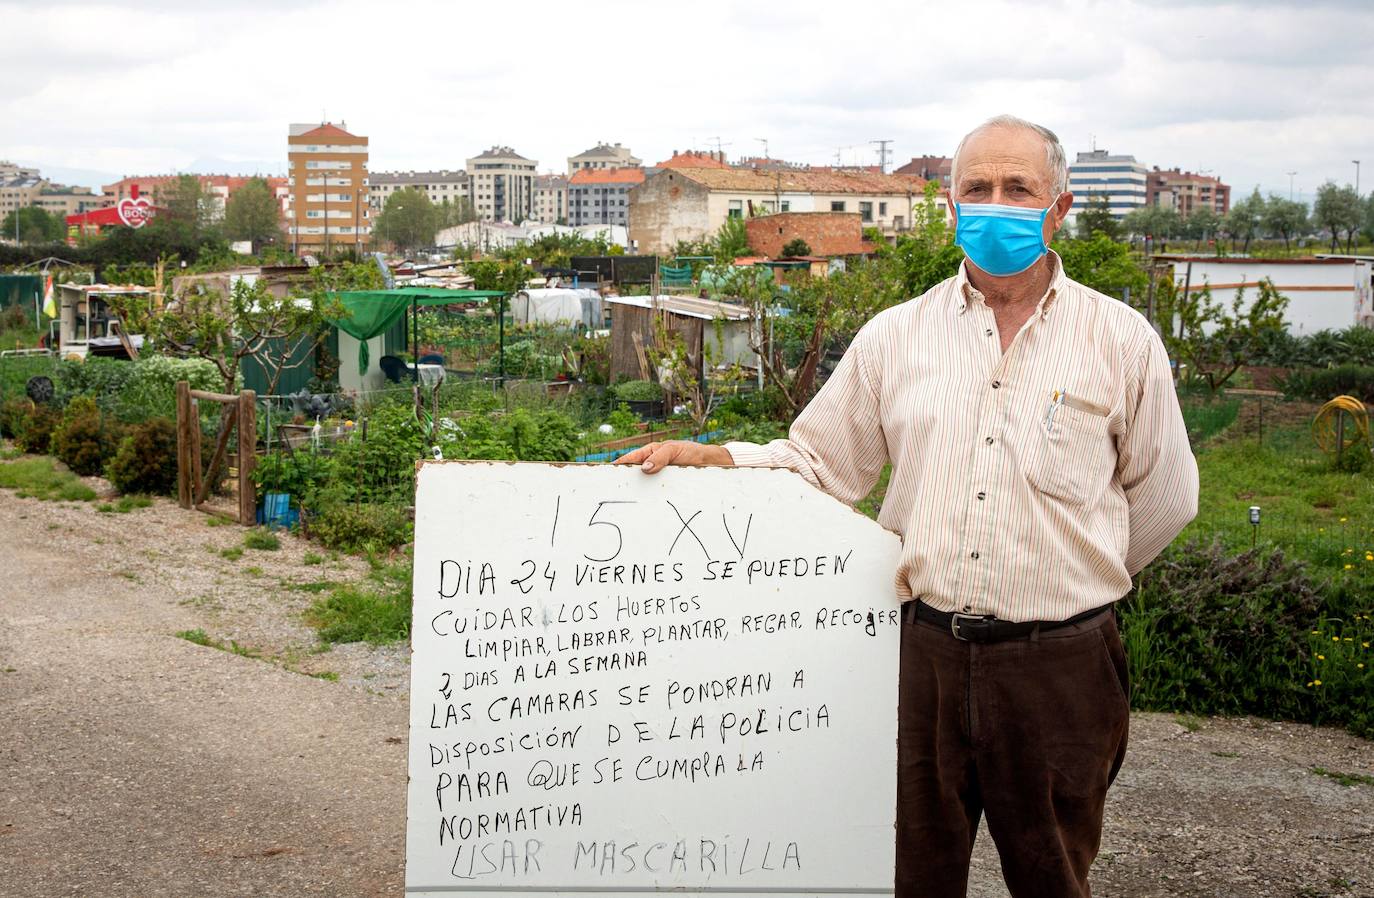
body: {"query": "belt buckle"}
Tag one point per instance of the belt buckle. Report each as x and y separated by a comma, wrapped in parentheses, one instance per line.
(957, 616)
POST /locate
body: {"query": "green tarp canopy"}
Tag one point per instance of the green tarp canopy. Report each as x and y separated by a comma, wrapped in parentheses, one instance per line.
(375, 311)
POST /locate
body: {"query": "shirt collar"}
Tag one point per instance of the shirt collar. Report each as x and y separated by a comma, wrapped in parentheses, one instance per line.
(967, 293)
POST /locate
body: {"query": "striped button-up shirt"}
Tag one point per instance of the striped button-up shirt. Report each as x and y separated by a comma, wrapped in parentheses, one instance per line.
(1030, 484)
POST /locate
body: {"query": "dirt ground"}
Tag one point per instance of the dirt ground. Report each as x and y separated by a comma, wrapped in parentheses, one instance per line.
(136, 763)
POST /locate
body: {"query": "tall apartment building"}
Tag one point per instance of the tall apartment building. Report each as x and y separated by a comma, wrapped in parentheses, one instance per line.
(1186, 192)
(328, 181)
(501, 183)
(1098, 174)
(442, 187)
(603, 155)
(19, 188)
(601, 196)
(551, 199)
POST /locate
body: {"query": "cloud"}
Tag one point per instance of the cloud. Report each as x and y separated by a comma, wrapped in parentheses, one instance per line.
(1248, 90)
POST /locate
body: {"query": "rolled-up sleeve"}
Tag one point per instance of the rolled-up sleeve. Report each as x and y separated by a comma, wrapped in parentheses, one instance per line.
(837, 441)
(1155, 463)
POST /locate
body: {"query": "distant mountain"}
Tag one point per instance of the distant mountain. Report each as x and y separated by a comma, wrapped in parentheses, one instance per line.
(72, 177)
(211, 165)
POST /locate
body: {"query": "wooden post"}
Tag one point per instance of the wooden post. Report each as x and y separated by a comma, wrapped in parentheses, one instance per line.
(183, 444)
(248, 444)
(198, 478)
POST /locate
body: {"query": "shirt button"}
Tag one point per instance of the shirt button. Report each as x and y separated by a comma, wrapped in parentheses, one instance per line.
(988, 441)
(968, 607)
(988, 332)
(982, 495)
(996, 384)
(973, 555)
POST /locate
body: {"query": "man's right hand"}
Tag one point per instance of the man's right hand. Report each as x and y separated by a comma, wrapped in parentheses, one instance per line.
(654, 457)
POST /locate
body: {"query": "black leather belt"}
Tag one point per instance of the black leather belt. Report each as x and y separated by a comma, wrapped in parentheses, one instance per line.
(985, 627)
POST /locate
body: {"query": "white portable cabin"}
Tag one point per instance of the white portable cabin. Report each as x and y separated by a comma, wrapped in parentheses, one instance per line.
(1324, 292)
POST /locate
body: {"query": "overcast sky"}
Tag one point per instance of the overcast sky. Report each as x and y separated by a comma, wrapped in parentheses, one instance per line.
(1249, 91)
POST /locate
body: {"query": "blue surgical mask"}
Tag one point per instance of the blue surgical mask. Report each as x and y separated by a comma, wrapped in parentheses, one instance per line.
(1001, 240)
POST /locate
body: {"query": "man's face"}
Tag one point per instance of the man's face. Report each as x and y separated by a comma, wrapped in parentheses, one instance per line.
(1007, 166)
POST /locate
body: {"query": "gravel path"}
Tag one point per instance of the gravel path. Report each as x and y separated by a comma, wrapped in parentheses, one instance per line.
(136, 763)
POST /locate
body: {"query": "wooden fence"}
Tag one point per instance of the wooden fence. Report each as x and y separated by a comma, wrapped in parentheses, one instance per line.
(194, 480)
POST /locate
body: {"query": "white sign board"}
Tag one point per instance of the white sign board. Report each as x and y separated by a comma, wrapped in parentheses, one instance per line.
(625, 684)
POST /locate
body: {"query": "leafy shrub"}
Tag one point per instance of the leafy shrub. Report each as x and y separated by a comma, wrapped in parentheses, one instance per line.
(637, 391)
(358, 527)
(134, 391)
(380, 463)
(300, 474)
(1213, 633)
(525, 359)
(146, 460)
(84, 440)
(523, 435)
(34, 430)
(1321, 384)
(13, 413)
(796, 247)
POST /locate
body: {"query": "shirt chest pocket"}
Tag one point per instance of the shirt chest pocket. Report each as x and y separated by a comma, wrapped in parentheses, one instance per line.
(1067, 451)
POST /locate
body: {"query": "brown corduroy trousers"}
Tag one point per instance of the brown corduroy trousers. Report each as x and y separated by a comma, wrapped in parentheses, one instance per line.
(1029, 731)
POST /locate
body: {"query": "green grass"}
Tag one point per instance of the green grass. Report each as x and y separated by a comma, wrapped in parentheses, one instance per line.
(233, 553)
(8, 453)
(329, 675)
(214, 520)
(873, 502)
(312, 558)
(261, 540)
(1311, 510)
(124, 505)
(43, 479)
(1206, 418)
(1345, 779)
(311, 586)
(198, 636)
(376, 611)
(1189, 722)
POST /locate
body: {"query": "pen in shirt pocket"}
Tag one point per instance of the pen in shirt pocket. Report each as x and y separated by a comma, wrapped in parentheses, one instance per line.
(1056, 400)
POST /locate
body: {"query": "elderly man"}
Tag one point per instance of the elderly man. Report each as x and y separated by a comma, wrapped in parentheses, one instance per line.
(1039, 460)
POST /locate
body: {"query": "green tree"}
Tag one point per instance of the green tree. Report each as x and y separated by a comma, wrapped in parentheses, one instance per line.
(1369, 217)
(1096, 215)
(252, 214)
(927, 254)
(1102, 264)
(1338, 211)
(1244, 220)
(408, 220)
(796, 247)
(1286, 219)
(249, 321)
(508, 276)
(1215, 340)
(184, 202)
(1201, 225)
(731, 241)
(460, 211)
(33, 225)
(1155, 222)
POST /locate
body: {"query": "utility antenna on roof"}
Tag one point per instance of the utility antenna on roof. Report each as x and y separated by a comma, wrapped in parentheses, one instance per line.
(883, 153)
(719, 145)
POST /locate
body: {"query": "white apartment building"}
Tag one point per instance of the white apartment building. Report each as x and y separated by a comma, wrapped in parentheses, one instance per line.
(551, 199)
(501, 184)
(603, 155)
(1120, 179)
(443, 187)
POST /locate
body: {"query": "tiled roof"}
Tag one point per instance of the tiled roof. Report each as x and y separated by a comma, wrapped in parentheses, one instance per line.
(607, 176)
(693, 159)
(500, 153)
(328, 129)
(602, 149)
(747, 180)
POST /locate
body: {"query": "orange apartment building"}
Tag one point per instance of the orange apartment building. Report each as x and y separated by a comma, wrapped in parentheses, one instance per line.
(328, 183)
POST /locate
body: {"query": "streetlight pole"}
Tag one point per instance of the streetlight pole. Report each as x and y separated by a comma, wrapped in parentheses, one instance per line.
(1290, 185)
(1357, 176)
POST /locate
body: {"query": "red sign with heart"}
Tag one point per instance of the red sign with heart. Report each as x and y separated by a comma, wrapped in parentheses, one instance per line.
(135, 212)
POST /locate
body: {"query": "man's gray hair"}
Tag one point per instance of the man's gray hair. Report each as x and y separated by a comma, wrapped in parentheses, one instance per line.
(1055, 162)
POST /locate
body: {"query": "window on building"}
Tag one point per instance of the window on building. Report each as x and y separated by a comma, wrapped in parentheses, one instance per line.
(882, 210)
(786, 206)
(837, 205)
(865, 211)
(736, 209)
